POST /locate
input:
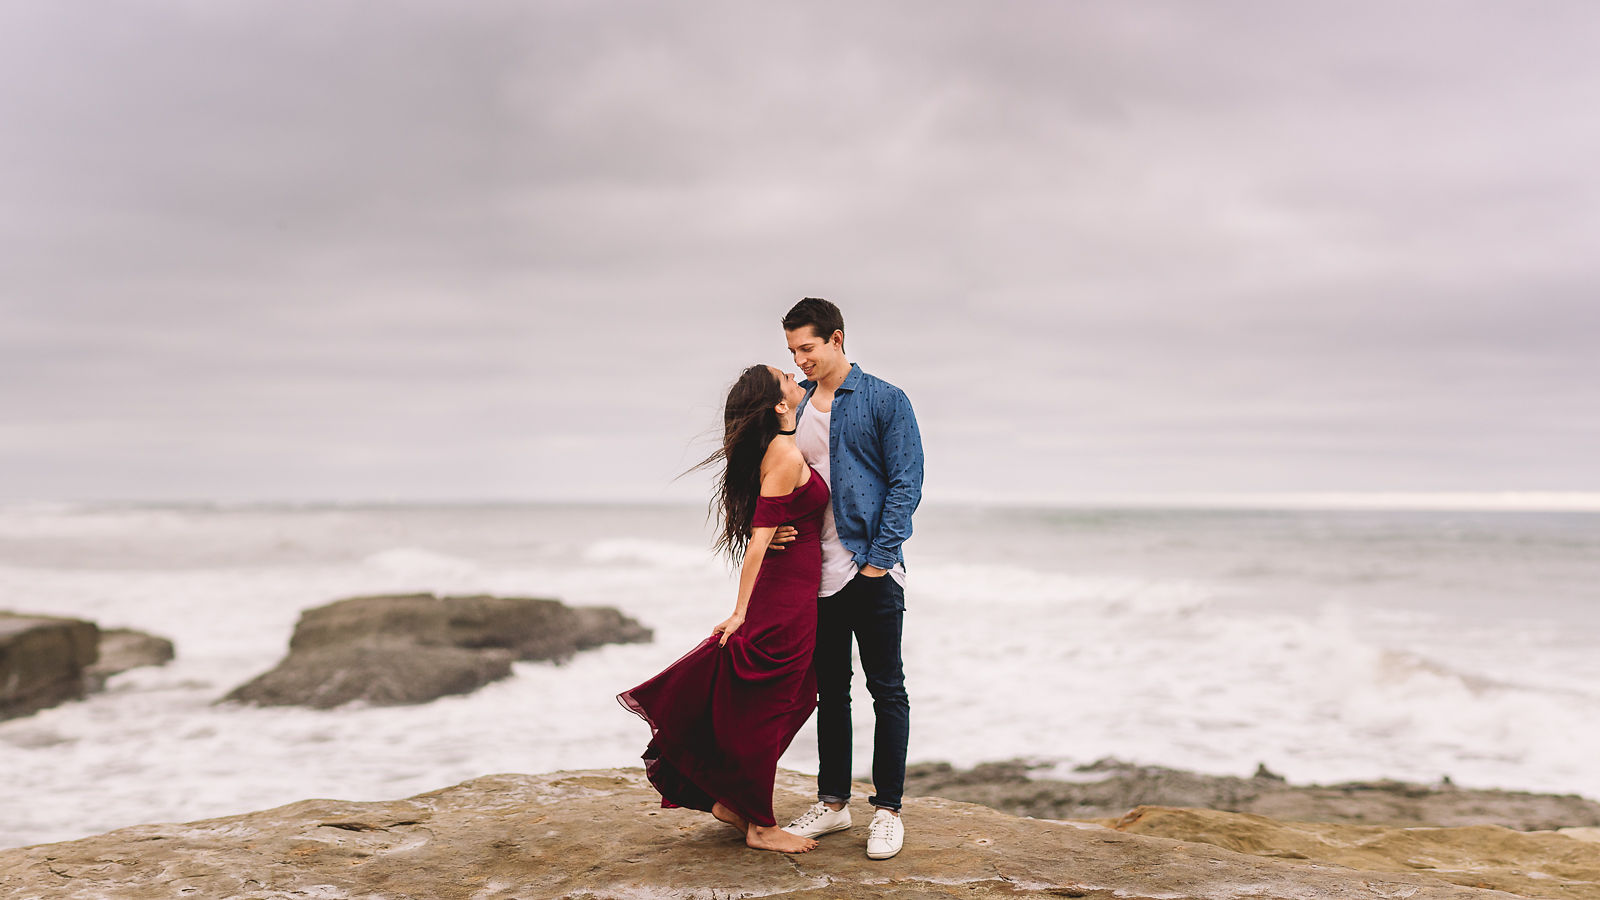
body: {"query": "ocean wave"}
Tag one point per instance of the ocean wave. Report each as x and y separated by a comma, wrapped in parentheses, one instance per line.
(653, 553)
(421, 563)
(1186, 661)
(50, 520)
(1022, 586)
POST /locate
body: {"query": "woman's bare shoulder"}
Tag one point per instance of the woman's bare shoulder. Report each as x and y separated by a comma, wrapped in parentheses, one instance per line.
(781, 469)
(785, 453)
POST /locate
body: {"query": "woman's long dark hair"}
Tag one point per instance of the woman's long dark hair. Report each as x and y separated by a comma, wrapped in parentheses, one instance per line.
(749, 423)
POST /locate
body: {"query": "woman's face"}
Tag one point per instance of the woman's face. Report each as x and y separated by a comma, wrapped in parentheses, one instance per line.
(793, 393)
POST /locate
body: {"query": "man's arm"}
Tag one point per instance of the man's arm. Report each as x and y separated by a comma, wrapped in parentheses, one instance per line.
(782, 538)
(902, 465)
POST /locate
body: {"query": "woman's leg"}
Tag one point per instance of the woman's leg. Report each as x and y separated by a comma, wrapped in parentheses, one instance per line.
(725, 814)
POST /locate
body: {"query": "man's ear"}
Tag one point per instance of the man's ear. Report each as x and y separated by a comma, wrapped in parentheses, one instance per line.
(837, 338)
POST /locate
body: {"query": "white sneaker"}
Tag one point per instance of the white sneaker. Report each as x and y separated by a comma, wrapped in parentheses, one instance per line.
(885, 835)
(819, 820)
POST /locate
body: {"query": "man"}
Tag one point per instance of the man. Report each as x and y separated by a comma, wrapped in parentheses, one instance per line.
(860, 434)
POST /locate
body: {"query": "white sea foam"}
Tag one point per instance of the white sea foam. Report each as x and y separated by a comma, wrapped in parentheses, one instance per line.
(656, 554)
(1204, 671)
(420, 565)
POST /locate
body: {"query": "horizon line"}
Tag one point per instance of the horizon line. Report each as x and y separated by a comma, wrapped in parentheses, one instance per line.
(1419, 501)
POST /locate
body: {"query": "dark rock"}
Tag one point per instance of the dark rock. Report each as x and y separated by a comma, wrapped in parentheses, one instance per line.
(414, 648)
(122, 649)
(1011, 772)
(1008, 787)
(383, 672)
(597, 625)
(1263, 772)
(43, 661)
(532, 629)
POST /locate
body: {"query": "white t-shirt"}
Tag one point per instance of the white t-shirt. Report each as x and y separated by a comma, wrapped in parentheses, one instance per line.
(838, 563)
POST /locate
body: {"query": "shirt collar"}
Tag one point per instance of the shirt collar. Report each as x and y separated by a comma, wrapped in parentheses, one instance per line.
(851, 380)
(849, 384)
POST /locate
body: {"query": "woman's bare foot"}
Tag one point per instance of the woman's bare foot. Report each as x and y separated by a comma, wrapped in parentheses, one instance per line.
(775, 838)
(725, 814)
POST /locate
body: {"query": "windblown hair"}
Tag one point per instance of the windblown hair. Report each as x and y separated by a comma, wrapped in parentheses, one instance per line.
(749, 423)
(823, 317)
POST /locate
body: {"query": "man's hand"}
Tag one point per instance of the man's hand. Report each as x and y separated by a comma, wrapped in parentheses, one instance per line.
(873, 571)
(782, 538)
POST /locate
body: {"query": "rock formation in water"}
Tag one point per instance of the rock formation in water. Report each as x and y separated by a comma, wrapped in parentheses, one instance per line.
(46, 660)
(1107, 789)
(43, 660)
(413, 648)
(601, 834)
(122, 649)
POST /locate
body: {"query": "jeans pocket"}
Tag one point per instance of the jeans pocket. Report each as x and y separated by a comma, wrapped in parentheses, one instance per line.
(889, 593)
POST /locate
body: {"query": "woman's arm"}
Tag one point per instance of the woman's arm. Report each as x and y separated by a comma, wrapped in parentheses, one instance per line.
(782, 480)
(748, 572)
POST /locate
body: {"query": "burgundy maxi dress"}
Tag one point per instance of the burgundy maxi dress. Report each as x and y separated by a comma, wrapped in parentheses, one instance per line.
(722, 715)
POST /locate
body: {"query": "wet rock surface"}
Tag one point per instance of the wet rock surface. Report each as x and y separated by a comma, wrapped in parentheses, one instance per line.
(44, 661)
(602, 834)
(1108, 789)
(412, 648)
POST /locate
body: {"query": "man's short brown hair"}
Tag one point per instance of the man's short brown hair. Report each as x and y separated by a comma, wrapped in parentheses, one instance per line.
(823, 317)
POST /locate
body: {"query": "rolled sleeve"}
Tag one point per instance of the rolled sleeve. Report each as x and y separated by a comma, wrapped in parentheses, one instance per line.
(902, 455)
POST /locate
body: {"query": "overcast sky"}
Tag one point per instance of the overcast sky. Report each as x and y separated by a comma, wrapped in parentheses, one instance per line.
(270, 250)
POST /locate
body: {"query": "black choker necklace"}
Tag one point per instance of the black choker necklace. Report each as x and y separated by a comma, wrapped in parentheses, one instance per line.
(790, 431)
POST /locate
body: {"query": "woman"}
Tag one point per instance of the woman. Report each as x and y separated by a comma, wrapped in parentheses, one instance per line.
(722, 715)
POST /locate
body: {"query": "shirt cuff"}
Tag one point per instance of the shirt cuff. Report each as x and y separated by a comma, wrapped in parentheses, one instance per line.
(882, 559)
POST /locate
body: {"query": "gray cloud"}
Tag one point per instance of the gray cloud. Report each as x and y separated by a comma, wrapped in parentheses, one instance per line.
(417, 250)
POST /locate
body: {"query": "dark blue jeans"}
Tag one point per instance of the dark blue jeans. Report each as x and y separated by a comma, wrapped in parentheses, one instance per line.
(872, 611)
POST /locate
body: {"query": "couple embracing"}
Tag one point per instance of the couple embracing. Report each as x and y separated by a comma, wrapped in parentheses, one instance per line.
(819, 481)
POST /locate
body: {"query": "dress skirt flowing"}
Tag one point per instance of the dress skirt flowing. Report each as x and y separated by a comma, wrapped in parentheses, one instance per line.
(722, 715)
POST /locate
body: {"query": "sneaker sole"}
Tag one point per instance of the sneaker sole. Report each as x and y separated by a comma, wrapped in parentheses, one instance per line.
(871, 855)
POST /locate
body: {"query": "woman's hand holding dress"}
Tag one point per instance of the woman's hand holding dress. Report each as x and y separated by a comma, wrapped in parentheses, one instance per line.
(727, 627)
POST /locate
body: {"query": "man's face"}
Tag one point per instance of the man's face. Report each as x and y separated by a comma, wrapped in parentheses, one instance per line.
(814, 355)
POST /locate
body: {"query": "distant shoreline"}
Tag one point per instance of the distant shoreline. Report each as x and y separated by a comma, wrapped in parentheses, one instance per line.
(1301, 501)
(1328, 501)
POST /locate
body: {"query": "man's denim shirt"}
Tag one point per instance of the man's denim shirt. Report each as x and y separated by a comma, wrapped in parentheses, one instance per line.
(875, 466)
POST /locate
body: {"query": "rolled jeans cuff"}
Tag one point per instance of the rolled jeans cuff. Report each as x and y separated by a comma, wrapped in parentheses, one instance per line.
(829, 798)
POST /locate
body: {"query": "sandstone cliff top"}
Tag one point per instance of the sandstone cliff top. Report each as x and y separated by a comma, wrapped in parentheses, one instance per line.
(601, 834)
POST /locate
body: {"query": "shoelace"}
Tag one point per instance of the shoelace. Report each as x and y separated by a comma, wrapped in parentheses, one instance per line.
(811, 815)
(882, 827)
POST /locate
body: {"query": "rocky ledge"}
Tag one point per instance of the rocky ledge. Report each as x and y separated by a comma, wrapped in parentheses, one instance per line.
(601, 834)
(412, 648)
(1109, 788)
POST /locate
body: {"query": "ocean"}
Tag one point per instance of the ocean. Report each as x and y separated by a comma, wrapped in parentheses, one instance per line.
(1329, 645)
